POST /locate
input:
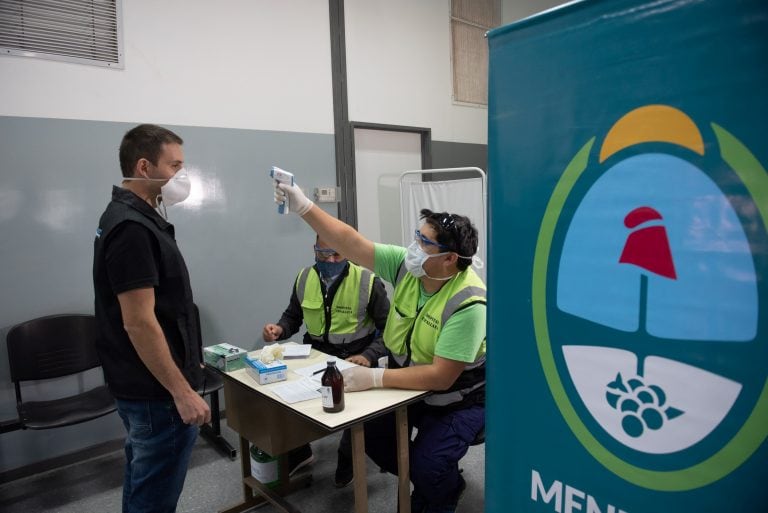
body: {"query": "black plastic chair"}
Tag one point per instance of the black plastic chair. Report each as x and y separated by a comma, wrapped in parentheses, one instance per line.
(212, 383)
(52, 347)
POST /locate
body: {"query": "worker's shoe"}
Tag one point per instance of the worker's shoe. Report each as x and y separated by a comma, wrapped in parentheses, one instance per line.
(299, 458)
(344, 471)
(419, 503)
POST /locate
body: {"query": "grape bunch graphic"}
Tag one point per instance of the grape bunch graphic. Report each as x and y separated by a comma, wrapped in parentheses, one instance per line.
(642, 406)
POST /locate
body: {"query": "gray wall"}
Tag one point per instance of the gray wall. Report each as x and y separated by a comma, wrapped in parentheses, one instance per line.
(452, 154)
(55, 180)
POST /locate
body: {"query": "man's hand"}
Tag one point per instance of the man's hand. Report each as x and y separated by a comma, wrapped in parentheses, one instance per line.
(359, 360)
(362, 378)
(271, 332)
(298, 202)
(192, 408)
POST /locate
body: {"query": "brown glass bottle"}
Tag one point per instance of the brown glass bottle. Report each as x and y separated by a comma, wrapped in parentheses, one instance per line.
(333, 388)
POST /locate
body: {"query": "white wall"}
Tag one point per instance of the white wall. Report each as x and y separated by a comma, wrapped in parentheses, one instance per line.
(258, 64)
(514, 10)
(399, 69)
(399, 65)
(262, 64)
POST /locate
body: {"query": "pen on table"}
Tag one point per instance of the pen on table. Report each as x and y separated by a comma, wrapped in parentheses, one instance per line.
(318, 372)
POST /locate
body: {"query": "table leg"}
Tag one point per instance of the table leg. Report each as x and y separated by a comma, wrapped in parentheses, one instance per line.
(403, 469)
(245, 467)
(255, 493)
(358, 469)
(249, 498)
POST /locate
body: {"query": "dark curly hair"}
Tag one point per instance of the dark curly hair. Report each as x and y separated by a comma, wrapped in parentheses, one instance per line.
(455, 232)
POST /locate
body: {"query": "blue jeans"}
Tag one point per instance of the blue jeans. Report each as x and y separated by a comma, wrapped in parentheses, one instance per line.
(157, 451)
(443, 439)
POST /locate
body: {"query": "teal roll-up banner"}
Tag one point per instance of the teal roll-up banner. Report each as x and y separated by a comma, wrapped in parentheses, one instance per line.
(628, 259)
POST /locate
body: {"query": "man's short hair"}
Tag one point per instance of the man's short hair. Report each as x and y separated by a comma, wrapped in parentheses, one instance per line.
(455, 232)
(144, 142)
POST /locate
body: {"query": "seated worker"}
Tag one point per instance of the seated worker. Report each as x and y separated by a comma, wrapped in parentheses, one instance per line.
(345, 309)
(435, 333)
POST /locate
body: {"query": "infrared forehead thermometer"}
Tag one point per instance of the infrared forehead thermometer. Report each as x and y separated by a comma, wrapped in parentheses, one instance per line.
(282, 176)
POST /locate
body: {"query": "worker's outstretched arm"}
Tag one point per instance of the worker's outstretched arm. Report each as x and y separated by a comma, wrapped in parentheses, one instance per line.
(339, 235)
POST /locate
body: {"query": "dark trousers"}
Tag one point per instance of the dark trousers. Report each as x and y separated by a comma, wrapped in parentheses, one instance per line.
(345, 444)
(443, 438)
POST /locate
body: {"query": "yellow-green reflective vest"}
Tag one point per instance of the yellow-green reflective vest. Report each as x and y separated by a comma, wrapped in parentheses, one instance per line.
(348, 311)
(424, 327)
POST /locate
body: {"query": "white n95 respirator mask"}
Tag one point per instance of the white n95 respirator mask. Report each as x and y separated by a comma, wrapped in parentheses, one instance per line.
(177, 189)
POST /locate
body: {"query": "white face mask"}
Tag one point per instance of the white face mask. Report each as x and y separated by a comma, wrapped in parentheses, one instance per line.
(177, 189)
(414, 261)
(174, 191)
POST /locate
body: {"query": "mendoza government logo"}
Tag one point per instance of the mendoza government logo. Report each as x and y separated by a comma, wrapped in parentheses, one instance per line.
(646, 299)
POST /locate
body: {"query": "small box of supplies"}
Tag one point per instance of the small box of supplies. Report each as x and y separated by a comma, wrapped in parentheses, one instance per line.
(225, 357)
(265, 373)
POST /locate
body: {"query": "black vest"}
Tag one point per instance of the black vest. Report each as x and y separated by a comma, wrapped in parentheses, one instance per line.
(125, 373)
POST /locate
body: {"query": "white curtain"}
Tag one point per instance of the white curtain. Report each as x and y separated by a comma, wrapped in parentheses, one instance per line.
(463, 196)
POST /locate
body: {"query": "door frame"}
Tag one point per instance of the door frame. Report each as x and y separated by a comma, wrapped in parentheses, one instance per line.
(348, 205)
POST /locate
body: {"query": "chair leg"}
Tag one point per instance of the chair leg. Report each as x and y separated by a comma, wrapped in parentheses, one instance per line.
(212, 432)
(215, 413)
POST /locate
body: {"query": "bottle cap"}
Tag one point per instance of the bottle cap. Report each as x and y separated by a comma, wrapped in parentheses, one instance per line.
(331, 359)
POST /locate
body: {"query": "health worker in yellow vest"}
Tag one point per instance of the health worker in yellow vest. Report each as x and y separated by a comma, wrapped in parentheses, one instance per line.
(344, 308)
(435, 336)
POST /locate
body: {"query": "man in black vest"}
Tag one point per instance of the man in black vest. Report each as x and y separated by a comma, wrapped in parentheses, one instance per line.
(149, 347)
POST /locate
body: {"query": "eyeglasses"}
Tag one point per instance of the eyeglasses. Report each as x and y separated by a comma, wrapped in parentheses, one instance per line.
(424, 241)
(324, 254)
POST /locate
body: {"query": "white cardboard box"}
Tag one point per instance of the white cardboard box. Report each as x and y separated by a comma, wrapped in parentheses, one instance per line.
(265, 373)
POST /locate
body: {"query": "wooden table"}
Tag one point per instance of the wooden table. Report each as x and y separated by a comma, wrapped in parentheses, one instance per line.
(260, 417)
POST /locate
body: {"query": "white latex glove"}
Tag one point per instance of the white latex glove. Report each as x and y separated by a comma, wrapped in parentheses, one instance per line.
(271, 353)
(297, 201)
(362, 378)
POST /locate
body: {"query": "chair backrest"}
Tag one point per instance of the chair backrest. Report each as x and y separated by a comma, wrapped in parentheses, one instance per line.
(52, 346)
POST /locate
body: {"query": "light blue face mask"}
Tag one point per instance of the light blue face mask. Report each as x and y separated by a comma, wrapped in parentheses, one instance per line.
(414, 261)
(330, 270)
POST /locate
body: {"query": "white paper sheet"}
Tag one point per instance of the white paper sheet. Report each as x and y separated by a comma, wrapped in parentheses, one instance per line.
(296, 350)
(297, 391)
(311, 371)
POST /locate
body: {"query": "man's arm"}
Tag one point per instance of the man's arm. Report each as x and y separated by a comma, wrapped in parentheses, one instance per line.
(439, 375)
(371, 354)
(138, 311)
(292, 317)
(459, 342)
(378, 305)
(378, 309)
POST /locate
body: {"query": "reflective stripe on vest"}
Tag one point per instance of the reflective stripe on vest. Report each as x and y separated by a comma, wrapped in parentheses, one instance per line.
(438, 399)
(451, 396)
(345, 326)
(473, 291)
